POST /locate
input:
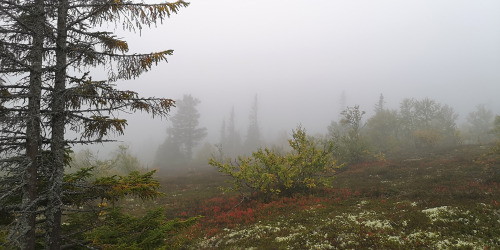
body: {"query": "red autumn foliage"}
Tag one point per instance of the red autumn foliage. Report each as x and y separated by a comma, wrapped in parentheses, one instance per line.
(229, 212)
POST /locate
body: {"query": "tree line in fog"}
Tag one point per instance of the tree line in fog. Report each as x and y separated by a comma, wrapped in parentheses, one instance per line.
(417, 125)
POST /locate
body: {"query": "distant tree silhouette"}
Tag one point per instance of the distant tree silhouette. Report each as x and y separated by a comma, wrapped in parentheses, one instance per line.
(253, 140)
(230, 141)
(342, 103)
(382, 131)
(380, 106)
(427, 123)
(183, 134)
(479, 125)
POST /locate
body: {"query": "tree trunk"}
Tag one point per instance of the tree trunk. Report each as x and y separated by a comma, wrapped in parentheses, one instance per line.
(33, 130)
(54, 212)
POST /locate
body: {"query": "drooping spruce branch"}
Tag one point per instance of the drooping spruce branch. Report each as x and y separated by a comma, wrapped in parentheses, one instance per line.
(40, 42)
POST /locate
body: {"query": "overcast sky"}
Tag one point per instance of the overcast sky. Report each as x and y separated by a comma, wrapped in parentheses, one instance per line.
(299, 56)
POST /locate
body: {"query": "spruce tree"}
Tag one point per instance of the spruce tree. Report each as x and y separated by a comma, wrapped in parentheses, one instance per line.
(183, 134)
(253, 140)
(232, 145)
(46, 53)
(380, 105)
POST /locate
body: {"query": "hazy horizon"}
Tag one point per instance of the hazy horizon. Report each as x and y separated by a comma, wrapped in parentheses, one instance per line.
(299, 57)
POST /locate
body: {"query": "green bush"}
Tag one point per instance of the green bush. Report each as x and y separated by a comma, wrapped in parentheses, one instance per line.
(95, 221)
(122, 162)
(123, 231)
(350, 145)
(267, 172)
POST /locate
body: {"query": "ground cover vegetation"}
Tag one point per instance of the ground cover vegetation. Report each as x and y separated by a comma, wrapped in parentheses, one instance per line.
(446, 199)
(436, 192)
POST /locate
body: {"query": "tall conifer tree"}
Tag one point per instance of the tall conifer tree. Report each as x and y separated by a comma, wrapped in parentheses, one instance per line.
(185, 132)
(46, 51)
(252, 141)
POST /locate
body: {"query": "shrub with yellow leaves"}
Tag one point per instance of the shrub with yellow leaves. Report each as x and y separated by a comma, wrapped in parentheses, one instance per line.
(309, 165)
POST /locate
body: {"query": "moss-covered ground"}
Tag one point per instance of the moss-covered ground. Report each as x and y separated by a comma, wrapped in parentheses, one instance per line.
(448, 199)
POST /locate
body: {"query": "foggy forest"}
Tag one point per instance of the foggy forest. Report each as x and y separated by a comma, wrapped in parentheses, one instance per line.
(249, 124)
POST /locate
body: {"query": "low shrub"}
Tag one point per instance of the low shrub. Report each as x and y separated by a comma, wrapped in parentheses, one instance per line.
(309, 165)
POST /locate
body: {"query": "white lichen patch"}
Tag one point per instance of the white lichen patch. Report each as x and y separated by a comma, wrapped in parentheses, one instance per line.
(450, 215)
(359, 227)
(289, 237)
(233, 236)
(458, 244)
(324, 245)
(377, 224)
(362, 203)
(437, 213)
(422, 235)
(395, 238)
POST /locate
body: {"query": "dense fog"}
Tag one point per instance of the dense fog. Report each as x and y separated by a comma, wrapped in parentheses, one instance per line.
(306, 61)
(320, 124)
